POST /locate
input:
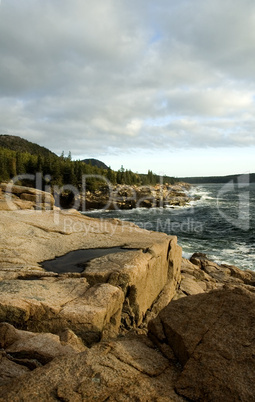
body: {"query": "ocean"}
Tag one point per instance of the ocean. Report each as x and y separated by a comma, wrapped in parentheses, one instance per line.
(220, 224)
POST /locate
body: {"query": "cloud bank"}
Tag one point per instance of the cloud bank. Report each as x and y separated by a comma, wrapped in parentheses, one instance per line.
(107, 76)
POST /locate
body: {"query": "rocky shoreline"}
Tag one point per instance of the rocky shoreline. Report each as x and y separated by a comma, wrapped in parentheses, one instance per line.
(129, 197)
(13, 197)
(144, 325)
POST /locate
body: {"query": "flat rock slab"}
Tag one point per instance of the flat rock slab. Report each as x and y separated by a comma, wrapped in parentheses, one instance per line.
(53, 305)
(212, 335)
(136, 279)
(29, 237)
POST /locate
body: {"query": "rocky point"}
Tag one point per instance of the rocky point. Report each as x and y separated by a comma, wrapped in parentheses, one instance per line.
(140, 325)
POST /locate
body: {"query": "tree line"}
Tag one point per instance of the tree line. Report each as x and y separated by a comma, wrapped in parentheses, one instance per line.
(61, 170)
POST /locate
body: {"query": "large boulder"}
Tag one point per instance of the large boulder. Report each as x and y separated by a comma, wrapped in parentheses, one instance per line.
(142, 275)
(212, 335)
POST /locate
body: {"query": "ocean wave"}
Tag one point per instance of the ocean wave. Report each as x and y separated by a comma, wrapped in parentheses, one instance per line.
(203, 225)
(204, 195)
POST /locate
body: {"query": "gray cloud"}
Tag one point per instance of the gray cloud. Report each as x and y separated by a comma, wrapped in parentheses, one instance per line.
(105, 76)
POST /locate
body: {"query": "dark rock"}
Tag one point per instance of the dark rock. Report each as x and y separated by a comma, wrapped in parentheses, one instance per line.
(196, 258)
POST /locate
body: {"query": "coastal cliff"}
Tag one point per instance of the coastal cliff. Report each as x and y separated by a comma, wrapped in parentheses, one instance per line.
(141, 323)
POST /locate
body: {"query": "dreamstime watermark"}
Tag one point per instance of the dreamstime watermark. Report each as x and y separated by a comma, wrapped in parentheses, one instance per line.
(233, 202)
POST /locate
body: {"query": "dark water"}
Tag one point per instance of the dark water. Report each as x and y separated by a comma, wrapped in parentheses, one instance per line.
(221, 224)
(75, 261)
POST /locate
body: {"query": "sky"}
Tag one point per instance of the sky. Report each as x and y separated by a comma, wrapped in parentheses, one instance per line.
(163, 85)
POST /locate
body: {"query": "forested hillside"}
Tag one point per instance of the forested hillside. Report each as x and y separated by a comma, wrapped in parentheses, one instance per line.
(95, 162)
(60, 170)
(15, 143)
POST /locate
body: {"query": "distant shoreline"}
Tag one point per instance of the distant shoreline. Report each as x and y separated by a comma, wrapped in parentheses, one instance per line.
(217, 179)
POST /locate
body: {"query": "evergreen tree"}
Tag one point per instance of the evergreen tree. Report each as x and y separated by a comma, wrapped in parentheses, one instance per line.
(111, 176)
(4, 174)
(12, 166)
(40, 164)
(20, 168)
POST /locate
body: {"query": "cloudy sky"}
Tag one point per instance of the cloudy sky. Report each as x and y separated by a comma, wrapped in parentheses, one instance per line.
(164, 85)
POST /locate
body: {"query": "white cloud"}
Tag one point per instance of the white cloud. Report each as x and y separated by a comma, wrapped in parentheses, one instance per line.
(111, 76)
(134, 127)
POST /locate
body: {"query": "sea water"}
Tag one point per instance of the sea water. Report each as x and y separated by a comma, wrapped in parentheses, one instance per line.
(220, 224)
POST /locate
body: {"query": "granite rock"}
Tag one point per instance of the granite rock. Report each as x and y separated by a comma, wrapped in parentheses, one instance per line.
(126, 369)
(54, 305)
(220, 274)
(212, 335)
(128, 288)
(23, 351)
(13, 197)
(127, 197)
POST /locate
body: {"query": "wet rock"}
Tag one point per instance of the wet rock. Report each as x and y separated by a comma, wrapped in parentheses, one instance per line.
(128, 197)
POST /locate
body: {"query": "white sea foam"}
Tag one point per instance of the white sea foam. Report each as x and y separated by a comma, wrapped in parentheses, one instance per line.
(219, 239)
(242, 248)
(186, 255)
(205, 196)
